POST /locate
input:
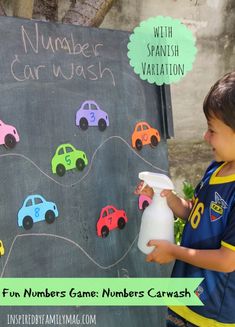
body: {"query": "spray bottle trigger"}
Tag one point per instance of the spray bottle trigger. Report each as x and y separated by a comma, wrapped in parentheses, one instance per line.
(144, 184)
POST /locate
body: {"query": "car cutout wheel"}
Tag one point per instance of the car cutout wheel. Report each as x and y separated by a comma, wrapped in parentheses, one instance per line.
(83, 123)
(60, 170)
(145, 205)
(102, 124)
(10, 141)
(104, 231)
(27, 222)
(50, 216)
(154, 141)
(138, 144)
(121, 223)
(80, 164)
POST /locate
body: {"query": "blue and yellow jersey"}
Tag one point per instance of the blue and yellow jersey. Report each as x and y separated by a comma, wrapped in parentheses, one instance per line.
(211, 224)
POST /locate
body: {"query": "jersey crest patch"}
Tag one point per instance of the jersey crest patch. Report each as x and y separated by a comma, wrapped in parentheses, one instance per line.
(199, 291)
(217, 207)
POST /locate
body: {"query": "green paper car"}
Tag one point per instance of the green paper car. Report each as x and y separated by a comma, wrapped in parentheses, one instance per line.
(67, 157)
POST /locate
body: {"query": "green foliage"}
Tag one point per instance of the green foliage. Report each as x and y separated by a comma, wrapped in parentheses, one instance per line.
(178, 229)
(188, 191)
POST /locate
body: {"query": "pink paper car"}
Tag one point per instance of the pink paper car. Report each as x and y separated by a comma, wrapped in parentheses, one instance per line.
(8, 135)
(144, 201)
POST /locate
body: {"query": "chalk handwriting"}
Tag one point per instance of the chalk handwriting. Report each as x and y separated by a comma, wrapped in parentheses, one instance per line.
(22, 72)
(37, 42)
(84, 61)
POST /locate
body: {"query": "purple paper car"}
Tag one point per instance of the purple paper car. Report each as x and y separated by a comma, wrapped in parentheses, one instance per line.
(89, 114)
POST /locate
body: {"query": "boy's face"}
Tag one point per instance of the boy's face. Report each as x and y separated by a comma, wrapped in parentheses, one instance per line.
(221, 138)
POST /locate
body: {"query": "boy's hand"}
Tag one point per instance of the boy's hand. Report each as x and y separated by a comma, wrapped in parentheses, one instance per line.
(166, 193)
(161, 253)
(146, 191)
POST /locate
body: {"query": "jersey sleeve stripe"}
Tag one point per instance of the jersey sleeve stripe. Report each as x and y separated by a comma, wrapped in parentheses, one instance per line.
(227, 245)
(197, 319)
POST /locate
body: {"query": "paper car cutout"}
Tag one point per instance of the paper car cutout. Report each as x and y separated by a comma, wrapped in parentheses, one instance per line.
(2, 250)
(144, 134)
(8, 135)
(144, 201)
(68, 157)
(110, 218)
(90, 114)
(35, 208)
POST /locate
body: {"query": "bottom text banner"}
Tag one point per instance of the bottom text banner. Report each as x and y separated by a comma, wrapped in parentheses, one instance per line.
(99, 291)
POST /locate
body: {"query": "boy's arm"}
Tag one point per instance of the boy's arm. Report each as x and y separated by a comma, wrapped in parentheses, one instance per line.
(222, 259)
(180, 207)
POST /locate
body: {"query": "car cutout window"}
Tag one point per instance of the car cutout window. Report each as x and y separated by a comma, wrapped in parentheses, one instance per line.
(29, 203)
(38, 201)
(61, 151)
(93, 106)
(104, 214)
(68, 149)
(138, 128)
(110, 211)
(145, 127)
(86, 106)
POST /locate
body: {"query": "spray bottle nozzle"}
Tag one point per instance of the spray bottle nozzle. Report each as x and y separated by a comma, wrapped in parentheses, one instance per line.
(156, 181)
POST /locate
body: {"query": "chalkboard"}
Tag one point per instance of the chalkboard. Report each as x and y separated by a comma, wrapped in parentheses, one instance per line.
(47, 73)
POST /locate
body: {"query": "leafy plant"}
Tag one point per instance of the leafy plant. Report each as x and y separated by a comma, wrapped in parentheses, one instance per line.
(188, 191)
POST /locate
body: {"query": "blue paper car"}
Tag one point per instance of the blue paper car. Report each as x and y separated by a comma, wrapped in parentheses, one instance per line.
(34, 209)
(90, 114)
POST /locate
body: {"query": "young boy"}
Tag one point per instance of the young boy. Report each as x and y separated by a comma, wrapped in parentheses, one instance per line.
(208, 244)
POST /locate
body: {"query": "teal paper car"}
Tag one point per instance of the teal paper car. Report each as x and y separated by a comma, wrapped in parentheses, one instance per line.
(67, 157)
(35, 208)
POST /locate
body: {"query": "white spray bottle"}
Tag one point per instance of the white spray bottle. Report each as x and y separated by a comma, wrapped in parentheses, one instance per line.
(157, 219)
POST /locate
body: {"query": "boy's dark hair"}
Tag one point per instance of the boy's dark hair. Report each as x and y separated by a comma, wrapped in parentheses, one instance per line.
(220, 100)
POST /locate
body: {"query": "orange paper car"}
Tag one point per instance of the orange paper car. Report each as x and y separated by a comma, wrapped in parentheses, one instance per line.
(144, 134)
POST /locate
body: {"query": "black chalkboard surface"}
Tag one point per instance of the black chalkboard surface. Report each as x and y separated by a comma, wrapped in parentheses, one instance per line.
(47, 72)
